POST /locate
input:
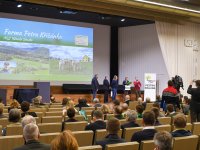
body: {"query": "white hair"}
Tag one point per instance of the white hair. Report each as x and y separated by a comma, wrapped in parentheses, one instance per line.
(131, 115)
(96, 100)
(31, 132)
(28, 119)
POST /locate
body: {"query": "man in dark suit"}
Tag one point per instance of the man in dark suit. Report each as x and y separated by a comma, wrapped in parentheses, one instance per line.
(113, 127)
(98, 122)
(31, 135)
(95, 85)
(195, 101)
(148, 131)
(131, 117)
(106, 86)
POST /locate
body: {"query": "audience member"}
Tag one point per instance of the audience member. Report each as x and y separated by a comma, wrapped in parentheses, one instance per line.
(112, 127)
(139, 109)
(170, 111)
(180, 122)
(71, 115)
(64, 141)
(105, 110)
(131, 117)
(52, 99)
(14, 104)
(156, 112)
(140, 101)
(186, 105)
(28, 119)
(124, 109)
(37, 101)
(96, 102)
(1, 111)
(82, 103)
(25, 106)
(31, 136)
(118, 112)
(148, 100)
(97, 121)
(127, 99)
(148, 131)
(163, 141)
(14, 117)
(158, 106)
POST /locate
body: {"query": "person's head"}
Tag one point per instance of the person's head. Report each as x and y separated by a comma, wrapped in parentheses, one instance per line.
(197, 82)
(31, 132)
(180, 121)
(28, 119)
(71, 112)
(65, 101)
(126, 78)
(170, 108)
(113, 126)
(106, 77)
(163, 141)
(131, 115)
(37, 100)
(116, 102)
(1, 108)
(157, 97)
(124, 107)
(157, 105)
(96, 76)
(148, 118)
(170, 83)
(139, 109)
(115, 77)
(96, 100)
(64, 141)
(14, 104)
(105, 109)
(14, 115)
(156, 112)
(148, 100)
(118, 110)
(25, 106)
(127, 97)
(97, 114)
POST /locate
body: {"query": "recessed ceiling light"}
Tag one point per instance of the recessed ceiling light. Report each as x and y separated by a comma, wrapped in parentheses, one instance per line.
(19, 5)
(122, 20)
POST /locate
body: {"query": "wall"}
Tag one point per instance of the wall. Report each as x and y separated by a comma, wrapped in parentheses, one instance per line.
(139, 53)
(101, 46)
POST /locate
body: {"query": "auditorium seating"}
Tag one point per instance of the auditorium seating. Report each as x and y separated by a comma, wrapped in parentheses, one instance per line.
(52, 119)
(188, 127)
(133, 104)
(94, 147)
(196, 128)
(148, 106)
(75, 126)
(147, 145)
(50, 127)
(123, 146)
(164, 120)
(4, 122)
(186, 143)
(55, 109)
(10, 142)
(128, 132)
(54, 113)
(163, 128)
(48, 137)
(77, 117)
(84, 138)
(100, 134)
(14, 130)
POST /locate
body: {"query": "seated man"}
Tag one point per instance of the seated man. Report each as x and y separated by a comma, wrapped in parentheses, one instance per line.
(96, 102)
(148, 131)
(98, 122)
(170, 111)
(180, 122)
(127, 99)
(28, 119)
(71, 115)
(163, 141)
(25, 107)
(113, 127)
(118, 113)
(31, 136)
(124, 109)
(131, 117)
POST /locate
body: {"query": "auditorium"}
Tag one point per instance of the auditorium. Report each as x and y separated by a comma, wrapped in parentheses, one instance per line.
(100, 74)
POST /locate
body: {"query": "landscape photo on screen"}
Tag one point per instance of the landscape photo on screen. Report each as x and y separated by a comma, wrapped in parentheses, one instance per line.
(32, 50)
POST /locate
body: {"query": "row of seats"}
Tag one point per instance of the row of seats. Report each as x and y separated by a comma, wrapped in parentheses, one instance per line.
(183, 143)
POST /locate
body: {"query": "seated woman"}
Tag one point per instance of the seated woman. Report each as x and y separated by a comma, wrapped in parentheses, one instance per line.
(180, 123)
(156, 112)
(105, 110)
(14, 119)
(14, 104)
(64, 141)
(139, 109)
(118, 112)
(25, 106)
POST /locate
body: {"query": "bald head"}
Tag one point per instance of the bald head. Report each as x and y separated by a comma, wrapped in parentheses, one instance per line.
(127, 97)
(31, 132)
(28, 119)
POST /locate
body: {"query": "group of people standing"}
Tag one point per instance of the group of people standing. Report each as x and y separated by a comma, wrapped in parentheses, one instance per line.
(113, 86)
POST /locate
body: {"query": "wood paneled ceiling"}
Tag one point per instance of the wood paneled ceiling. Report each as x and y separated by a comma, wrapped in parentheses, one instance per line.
(127, 8)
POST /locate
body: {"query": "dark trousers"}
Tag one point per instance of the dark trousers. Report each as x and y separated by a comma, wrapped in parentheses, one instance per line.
(94, 93)
(114, 93)
(195, 116)
(106, 93)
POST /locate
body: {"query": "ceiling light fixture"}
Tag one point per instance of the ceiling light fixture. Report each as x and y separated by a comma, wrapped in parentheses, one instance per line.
(19, 5)
(169, 6)
(122, 20)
